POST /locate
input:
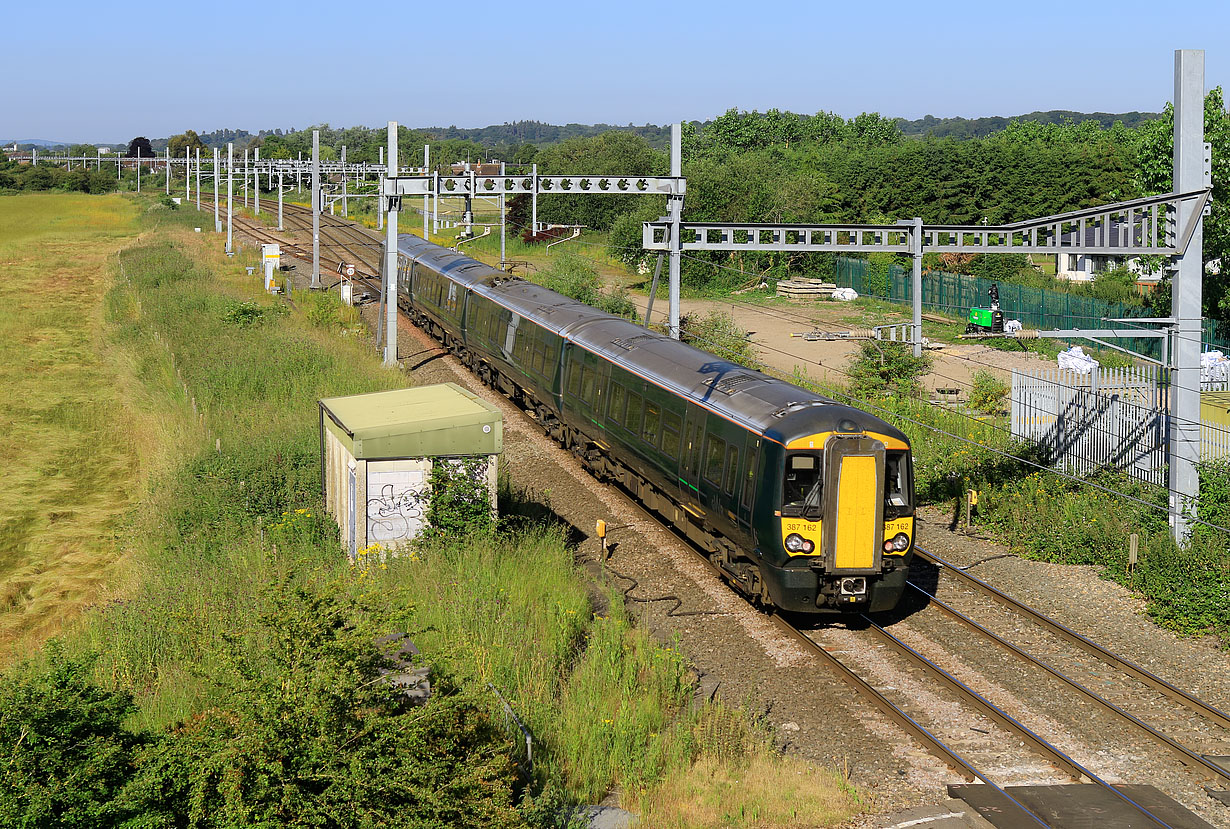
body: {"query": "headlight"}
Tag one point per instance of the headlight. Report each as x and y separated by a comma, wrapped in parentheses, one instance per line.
(901, 542)
(795, 543)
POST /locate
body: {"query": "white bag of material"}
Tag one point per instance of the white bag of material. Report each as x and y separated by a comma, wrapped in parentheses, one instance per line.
(1075, 359)
(1214, 367)
(1012, 326)
(845, 295)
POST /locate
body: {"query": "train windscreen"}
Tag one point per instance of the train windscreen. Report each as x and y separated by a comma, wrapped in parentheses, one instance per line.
(803, 486)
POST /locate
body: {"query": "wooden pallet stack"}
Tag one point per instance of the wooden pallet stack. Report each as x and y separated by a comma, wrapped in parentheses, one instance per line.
(805, 288)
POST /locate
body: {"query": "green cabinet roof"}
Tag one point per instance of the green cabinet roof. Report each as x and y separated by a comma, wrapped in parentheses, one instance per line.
(426, 421)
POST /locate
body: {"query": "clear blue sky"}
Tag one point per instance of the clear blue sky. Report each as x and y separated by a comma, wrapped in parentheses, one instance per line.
(98, 71)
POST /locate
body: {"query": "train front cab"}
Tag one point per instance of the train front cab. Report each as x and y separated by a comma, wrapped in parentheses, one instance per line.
(842, 523)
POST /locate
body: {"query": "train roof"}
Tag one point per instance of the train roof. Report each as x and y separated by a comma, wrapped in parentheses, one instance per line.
(779, 410)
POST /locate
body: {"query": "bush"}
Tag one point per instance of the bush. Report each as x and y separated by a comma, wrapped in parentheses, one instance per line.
(572, 276)
(1115, 285)
(67, 753)
(883, 367)
(325, 309)
(987, 393)
(460, 501)
(311, 734)
(719, 334)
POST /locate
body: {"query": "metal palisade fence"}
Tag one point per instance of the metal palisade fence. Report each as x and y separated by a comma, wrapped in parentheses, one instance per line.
(1113, 418)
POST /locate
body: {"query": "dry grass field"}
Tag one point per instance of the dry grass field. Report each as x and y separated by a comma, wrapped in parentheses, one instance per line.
(69, 460)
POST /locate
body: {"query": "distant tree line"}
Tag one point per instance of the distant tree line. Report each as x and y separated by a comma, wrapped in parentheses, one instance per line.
(964, 128)
(46, 176)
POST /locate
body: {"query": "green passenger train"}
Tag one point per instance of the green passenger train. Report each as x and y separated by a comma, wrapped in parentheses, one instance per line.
(805, 504)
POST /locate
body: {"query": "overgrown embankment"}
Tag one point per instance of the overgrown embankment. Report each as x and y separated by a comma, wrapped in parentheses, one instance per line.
(238, 682)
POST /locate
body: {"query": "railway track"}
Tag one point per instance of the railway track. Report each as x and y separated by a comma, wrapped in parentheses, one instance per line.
(1008, 751)
(883, 666)
(341, 240)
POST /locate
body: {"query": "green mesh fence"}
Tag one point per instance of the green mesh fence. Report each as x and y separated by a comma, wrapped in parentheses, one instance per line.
(954, 294)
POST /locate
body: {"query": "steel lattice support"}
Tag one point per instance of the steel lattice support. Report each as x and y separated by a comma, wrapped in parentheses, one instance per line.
(1186, 301)
(472, 185)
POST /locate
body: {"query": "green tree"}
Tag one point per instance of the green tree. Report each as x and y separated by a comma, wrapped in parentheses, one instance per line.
(1155, 173)
(139, 147)
(611, 153)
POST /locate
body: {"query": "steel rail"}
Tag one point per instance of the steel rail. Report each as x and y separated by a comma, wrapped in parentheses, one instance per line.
(343, 238)
(1185, 753)
(256, 229)
(865, 689)
(1052, 754)
(1089, 646)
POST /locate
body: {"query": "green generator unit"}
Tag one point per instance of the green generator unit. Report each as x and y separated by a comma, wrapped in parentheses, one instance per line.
(987, 320)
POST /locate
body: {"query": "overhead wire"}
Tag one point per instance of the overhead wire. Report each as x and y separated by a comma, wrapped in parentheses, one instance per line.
(932, 427)
(962, 383)
(964, 415)
(785, 315)
(1166, 451)
(863, 404)
(800, 318)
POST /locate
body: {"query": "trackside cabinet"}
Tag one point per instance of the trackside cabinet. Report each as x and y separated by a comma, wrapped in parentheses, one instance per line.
(377, 452)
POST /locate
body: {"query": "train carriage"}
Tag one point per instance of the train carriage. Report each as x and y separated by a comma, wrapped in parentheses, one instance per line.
(805, 504)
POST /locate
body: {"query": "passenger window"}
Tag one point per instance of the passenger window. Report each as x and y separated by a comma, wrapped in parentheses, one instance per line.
(587, 385)
(574, 377)
(633, 419)
(749, 477)
(715, 453)
(670, 434)
(617, 403)
(732, 469)
(653, 418)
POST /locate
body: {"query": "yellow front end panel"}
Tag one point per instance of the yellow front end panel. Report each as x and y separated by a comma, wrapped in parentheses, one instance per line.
(855, 542)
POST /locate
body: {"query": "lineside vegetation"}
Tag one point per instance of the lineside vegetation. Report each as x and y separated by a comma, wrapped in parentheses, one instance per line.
(237, 679)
